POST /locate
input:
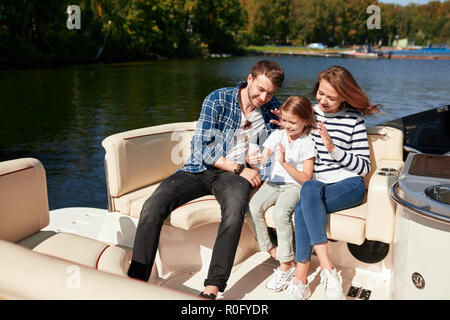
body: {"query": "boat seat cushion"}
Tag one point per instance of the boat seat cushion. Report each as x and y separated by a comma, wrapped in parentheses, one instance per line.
(142, 157)
(23, 199)
(204, 210)
(346, 225)
(193, 214)
(51, 280)
(132, 202)
(87, 252)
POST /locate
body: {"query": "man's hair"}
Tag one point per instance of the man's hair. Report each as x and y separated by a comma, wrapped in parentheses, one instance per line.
(272, 70)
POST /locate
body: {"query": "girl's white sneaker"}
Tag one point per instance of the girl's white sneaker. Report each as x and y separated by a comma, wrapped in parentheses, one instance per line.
(297, 290)
(331, 282)
(280, 279)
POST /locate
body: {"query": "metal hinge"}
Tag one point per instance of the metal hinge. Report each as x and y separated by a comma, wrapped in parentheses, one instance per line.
(359, 293)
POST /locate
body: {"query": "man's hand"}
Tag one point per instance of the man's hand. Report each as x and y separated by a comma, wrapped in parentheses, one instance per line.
(251, 176)
(276, 112)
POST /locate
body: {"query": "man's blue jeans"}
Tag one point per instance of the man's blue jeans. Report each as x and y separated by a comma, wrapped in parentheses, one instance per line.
(316, 200)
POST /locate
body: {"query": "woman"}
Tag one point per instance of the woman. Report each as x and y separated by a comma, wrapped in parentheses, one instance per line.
(342, 161)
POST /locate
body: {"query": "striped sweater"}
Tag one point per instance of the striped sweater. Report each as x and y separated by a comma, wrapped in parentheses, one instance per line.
(351, 157)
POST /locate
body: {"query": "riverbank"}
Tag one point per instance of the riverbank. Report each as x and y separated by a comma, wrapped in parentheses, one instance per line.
(294, 51)
(383, 53)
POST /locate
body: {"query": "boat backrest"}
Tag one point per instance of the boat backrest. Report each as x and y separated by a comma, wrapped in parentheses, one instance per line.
(141, 157)
(23, 199)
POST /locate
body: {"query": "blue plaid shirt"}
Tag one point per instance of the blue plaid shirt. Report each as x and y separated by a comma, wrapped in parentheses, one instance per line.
(220, 117)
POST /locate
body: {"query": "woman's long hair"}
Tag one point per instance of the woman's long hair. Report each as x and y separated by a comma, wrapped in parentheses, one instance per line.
(348, 89)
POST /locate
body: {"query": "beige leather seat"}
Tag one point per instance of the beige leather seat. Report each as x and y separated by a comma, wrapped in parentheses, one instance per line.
(24, 212)
(42, 272)
(137, 161)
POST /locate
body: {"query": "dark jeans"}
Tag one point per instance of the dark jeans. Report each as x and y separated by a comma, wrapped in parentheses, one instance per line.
(231, 191)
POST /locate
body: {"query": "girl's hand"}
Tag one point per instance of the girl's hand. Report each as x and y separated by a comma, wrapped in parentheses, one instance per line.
(326, 139)
(280, 152)
(254, 156)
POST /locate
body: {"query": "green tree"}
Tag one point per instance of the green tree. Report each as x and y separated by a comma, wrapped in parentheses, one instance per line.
(219, 23)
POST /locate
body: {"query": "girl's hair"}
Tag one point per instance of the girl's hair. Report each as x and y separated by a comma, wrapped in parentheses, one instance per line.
(302, 108)
(348, 89)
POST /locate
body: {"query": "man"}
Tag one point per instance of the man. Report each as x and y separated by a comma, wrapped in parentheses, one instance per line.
(229, 119)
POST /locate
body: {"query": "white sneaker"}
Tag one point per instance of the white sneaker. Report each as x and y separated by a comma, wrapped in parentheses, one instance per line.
(298, 291)
(280, 279)
(331, 282)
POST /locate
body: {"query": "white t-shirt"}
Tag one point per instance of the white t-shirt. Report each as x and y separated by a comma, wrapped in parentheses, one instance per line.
(296, 152)
(239, 145)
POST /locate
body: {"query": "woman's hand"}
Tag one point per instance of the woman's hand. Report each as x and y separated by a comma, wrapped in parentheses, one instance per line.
(326, 139)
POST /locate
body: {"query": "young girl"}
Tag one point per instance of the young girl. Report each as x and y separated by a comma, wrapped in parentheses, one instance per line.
(294, 164)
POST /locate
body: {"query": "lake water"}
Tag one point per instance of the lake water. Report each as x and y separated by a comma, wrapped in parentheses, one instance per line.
(61, 115)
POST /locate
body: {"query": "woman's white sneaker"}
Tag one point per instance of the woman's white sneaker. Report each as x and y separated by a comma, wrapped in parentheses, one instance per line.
(332, 284)
(297, 290)
(280, 279)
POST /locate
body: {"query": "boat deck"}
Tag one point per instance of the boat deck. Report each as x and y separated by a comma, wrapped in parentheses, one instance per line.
(247, 280)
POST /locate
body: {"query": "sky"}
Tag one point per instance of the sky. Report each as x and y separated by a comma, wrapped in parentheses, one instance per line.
(406, 2)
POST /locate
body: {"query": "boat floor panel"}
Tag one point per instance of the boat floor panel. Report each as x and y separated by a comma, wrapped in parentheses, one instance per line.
(247, 281)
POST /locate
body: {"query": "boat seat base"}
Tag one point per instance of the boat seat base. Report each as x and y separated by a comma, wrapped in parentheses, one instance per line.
(347, 225)
(80, 250)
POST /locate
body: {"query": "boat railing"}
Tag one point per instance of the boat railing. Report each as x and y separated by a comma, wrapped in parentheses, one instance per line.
(410, 149)
(422, 211)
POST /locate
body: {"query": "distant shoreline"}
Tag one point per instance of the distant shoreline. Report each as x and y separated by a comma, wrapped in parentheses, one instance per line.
(384, 53)
(247, 51)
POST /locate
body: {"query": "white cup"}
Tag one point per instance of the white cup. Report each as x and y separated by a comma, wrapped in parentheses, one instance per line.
(254, 150)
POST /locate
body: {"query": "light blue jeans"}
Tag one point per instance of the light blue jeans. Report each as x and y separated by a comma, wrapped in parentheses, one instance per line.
(316, 200)
(285, 197)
